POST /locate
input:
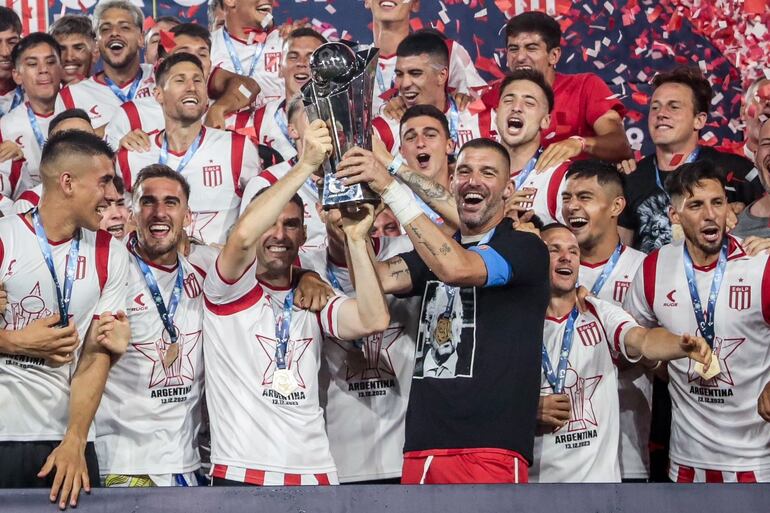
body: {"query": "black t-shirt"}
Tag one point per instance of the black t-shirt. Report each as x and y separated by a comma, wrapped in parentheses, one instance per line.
(646, 211)
(476, 381)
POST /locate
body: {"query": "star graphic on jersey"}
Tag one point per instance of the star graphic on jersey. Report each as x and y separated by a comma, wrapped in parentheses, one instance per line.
(723, 349)
(29, 308)
(295, 349)
(200, 220)
(370, 357)
(580, 391)
(181, 370)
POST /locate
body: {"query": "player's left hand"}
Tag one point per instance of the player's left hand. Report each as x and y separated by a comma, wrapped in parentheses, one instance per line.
(582, 294)
(215, 117)
(9, 150)
(113, 332)
(361, 166)
(71, 471)
(754, 245)
(557, 153)
(357, 224)
(763, 403)
(697, 349)
(312, 292)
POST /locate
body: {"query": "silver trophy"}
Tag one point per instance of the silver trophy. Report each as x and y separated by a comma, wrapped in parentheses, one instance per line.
(340, 93)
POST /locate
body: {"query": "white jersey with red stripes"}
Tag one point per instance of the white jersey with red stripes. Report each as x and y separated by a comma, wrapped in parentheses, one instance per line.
(467, 126)
(144, 114)
(28, 199)
(714, 423)
(547, 188)
(150, 413)
(366, 383)
(217, 173)
(266, 71)
(585, 449)
(463, 76)
(316, 229)
(269, 126)
(16, 126)
(34, 395)
(254, 426)
(94, 96)
(14, 180)
(634, 382)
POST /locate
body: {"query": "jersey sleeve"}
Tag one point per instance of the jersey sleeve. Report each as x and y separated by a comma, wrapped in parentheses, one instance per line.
(598, 100)
(251, 165)
(524, 253)
(114, 271)
(616, 323)
(220, 291)
(463, 76)
(254, 185)
(329, 315)
(640, 298)
(385, 132)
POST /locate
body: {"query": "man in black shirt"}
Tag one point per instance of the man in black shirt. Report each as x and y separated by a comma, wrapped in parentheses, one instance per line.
(473, 404)
(678, 112)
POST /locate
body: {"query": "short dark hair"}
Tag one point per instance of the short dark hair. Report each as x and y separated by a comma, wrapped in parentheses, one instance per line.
(190, 30)
(554, 226)
(687, 176)
(73, 142)
(307, 32)
(162, 171)
(605, 173)
(119, 184)
(538, 23)
(692, 78)
(172, 60)
(296, 199)
(533, 76)
(70, 24)
(419, 43)
(65, 115)
(31, 41)
(9, 20)
(431, 111)
(484, 143)
(168, 19)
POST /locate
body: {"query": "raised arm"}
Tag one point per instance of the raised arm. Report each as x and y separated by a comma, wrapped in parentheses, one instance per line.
(240, 250)
(232, 92)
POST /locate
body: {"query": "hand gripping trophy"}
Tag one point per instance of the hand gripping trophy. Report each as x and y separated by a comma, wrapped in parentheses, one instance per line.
(340, 93)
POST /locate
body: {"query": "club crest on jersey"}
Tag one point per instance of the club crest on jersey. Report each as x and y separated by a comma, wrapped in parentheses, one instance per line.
(463, 136)
(212, 176)
(619, 292)
(272, 61)
(192, 287)
(527, 205)
(80, 270)
(590, 335)
(740, 297)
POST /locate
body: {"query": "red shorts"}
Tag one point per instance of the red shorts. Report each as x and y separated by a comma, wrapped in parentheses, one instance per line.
(464, 466)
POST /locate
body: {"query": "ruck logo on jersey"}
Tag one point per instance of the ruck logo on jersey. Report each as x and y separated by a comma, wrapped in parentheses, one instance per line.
(740, 297)
(590, 335)
(80, 270)
(212, 176)
(192, 287)
(272, 61)
(619, 292)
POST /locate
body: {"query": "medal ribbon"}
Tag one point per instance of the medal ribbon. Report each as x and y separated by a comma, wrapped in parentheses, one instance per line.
(18, 97)
(35, 126)
(526, 170)
(454, 122)
(556, 380)
(608, 268)
(117, 91)
(690, 158)
(280, 120)
(188, 155)
(260, 48)
(705, 319)
(63, 295)
(282, 328)
(166, 314)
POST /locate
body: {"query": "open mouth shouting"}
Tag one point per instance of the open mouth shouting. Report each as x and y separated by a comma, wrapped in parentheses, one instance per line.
(160, 230)
(577, 222)
(515, 125)
(117, 230)
(711, 234)
(423, 160)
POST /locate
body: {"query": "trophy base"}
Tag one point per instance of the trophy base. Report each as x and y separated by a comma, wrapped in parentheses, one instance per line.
(337, 195)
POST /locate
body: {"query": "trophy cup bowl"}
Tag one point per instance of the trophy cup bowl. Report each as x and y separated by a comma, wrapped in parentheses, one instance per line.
(332, 62)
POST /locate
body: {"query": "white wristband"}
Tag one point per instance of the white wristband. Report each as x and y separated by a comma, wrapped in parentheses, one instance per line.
(401, 201)
(395, 164)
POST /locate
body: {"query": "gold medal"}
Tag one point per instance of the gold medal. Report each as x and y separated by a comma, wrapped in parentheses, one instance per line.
(712, 371)
(284, 382)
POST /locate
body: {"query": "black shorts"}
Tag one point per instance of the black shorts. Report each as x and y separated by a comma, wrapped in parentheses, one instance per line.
(21, 461)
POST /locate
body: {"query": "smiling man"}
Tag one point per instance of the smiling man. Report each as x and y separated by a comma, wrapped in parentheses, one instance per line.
(75, 34)
(37, 68)
(216, 163)
(10, 35)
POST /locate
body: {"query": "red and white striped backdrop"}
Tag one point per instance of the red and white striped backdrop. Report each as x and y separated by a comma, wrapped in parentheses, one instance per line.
(33, 14)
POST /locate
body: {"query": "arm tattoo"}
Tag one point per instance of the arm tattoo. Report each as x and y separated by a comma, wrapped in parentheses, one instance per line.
(398, 268)
(427, 189)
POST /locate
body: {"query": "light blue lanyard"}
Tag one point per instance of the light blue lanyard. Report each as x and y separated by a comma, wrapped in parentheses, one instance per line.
(188, 155)
(236, 60)
(556, 379)
(282, 329)
(706, 319)
(608, 268)
(117, 91)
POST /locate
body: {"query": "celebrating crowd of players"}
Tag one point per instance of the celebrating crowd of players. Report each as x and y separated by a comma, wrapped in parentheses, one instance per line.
(497, 318)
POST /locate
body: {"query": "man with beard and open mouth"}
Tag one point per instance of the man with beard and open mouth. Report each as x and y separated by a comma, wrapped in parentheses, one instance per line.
(216, 163)
(707, 282)
(488, 290)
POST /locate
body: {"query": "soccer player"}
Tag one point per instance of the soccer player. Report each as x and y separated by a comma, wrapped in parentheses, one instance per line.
(115, 213)
(216, 14)
(269, 123)
(10, 33)
(152, 37)
(274, 434)
(14, 182)
(478, 292)
(37, 69)
(679, 109)
(754, 220)
(386, 225)
(586, 119)
(421, 79)
(250, 45)
(75, 34)
(707, 282)
(390, 25)
(216, 163)
(592, 202)
(578, 413)
(65, 321)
